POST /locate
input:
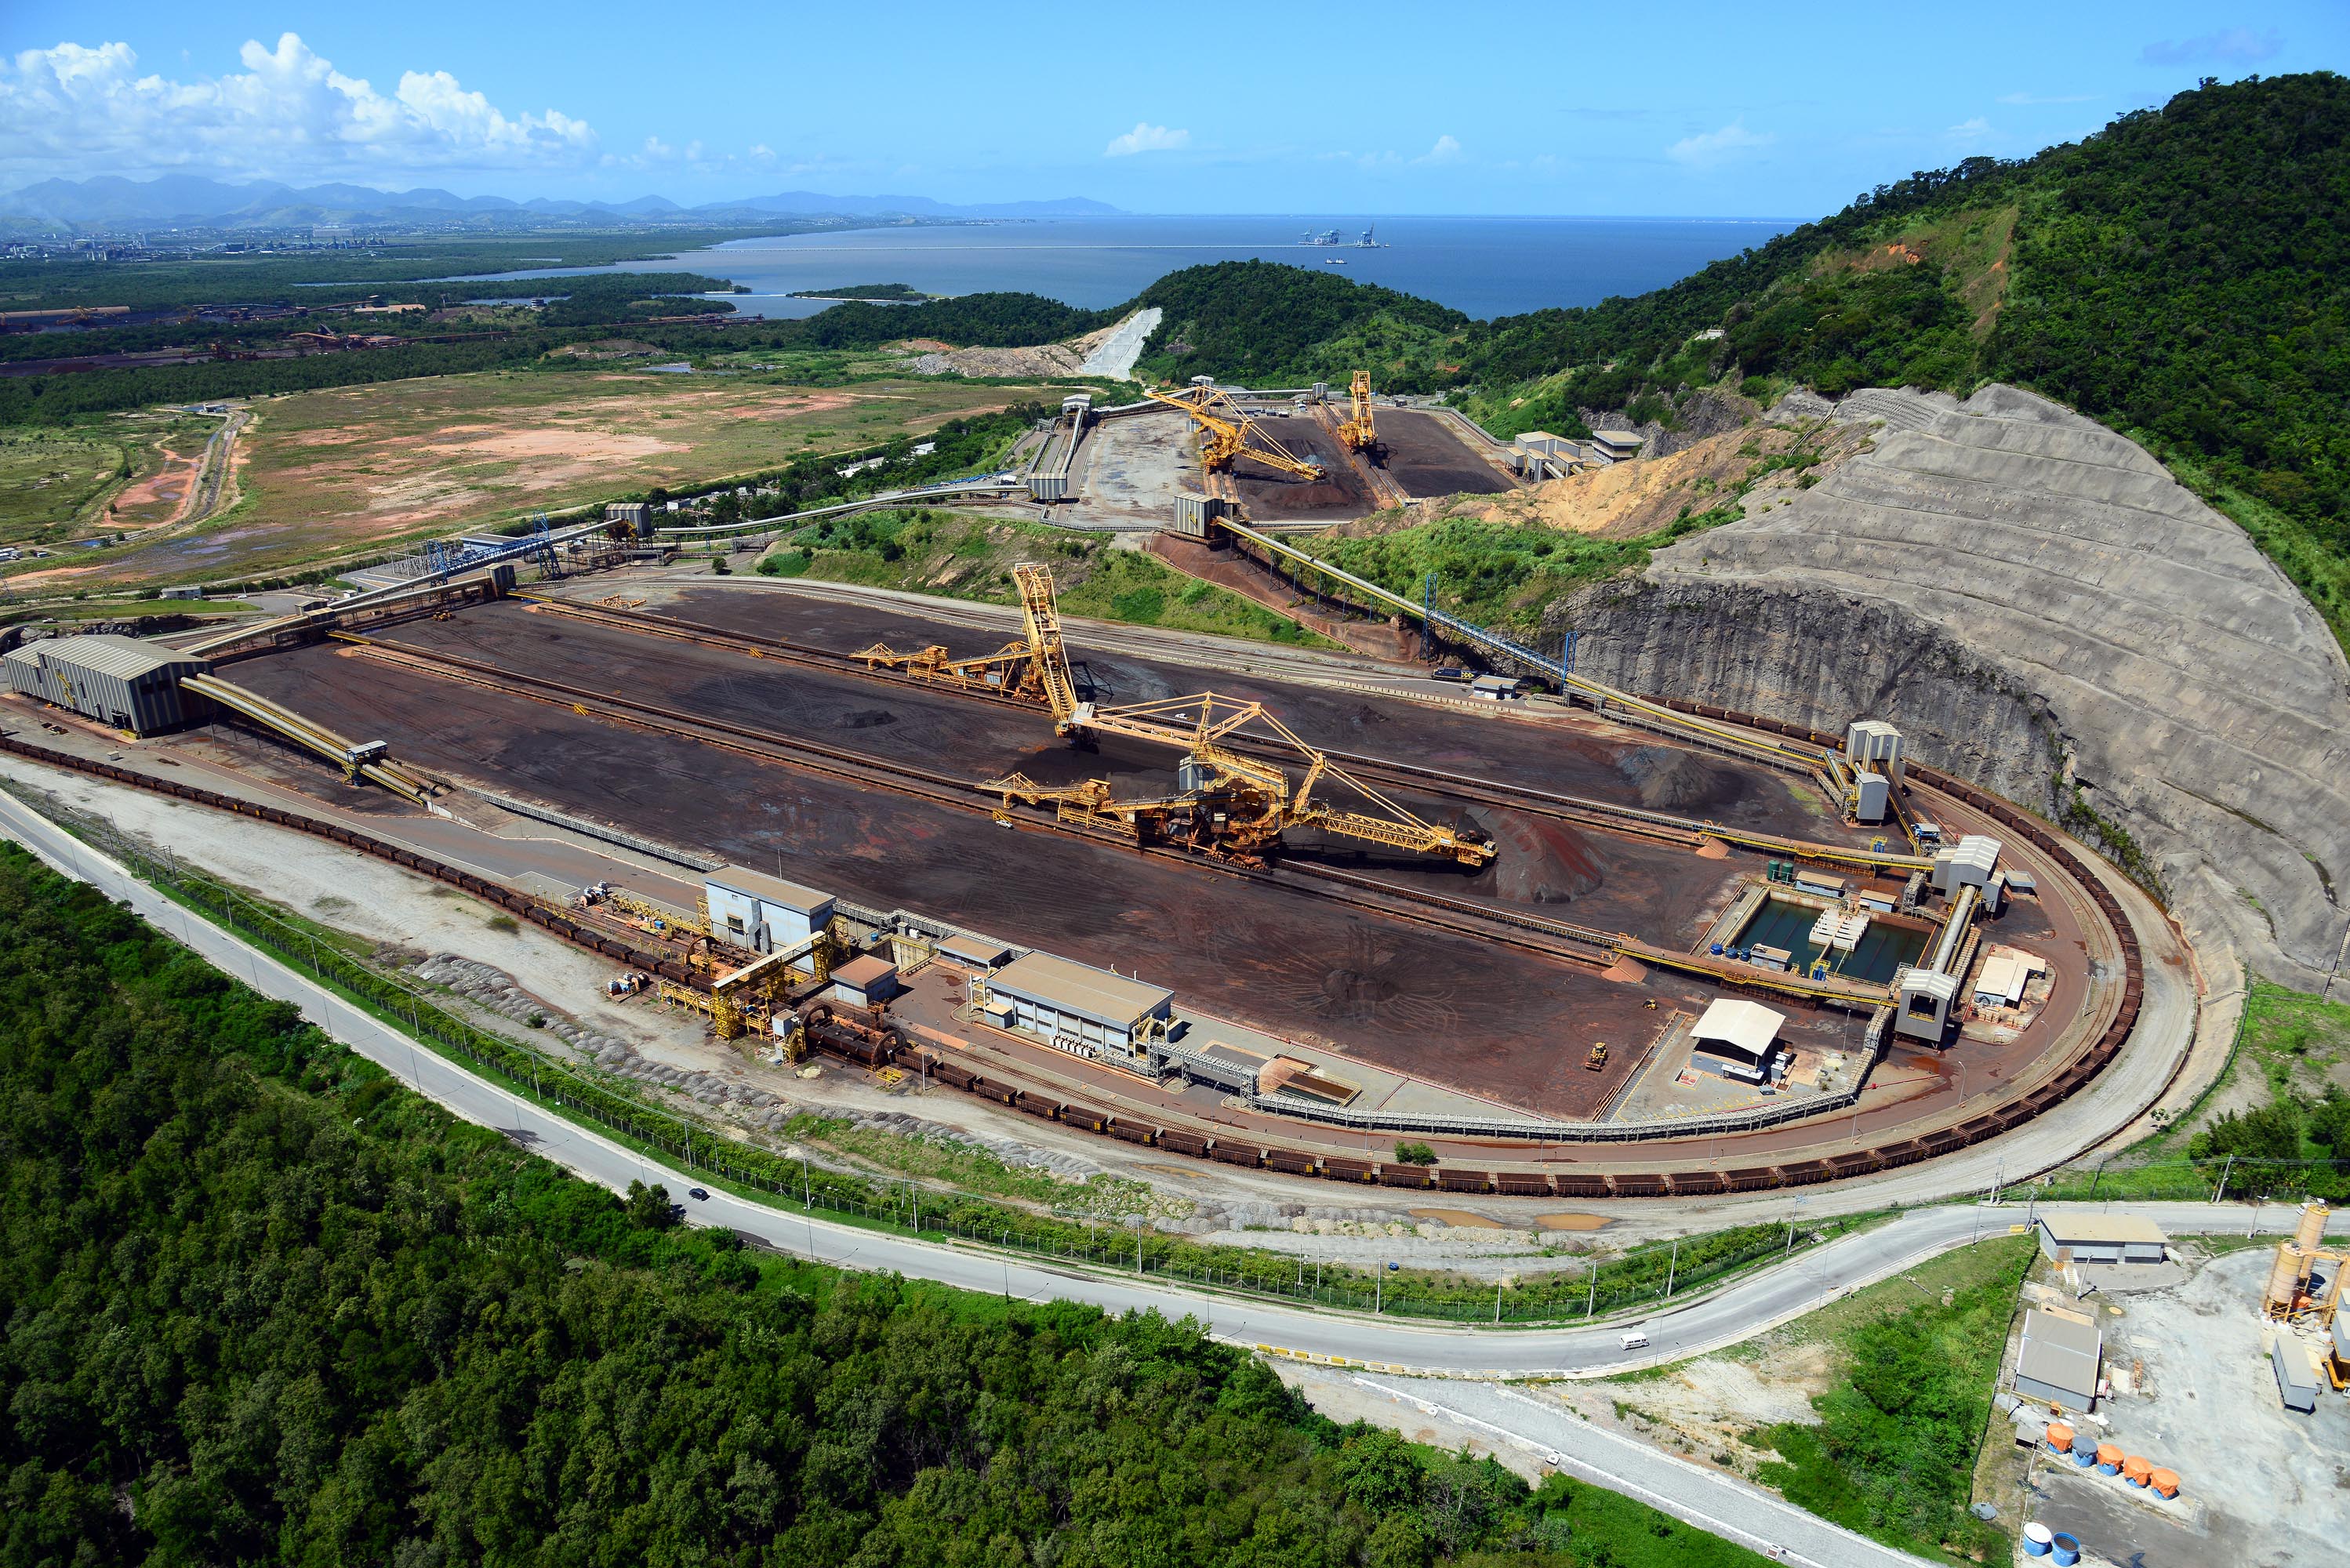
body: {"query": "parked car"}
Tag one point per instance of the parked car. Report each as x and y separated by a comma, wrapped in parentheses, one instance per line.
(699, 1195)
(1448, 673)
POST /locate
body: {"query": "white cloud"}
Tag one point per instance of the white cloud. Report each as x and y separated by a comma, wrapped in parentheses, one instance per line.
(1969, 132)
(1715, 146)
(2233, 45)
(1146, 137)
(75, 109)
(2034, 99)
(1446, 151)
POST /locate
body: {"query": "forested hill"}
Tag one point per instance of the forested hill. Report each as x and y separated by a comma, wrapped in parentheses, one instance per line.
(263, 1306)
(2184, 274)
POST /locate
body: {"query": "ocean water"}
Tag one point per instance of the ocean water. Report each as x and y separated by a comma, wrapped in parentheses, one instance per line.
(1481, 266)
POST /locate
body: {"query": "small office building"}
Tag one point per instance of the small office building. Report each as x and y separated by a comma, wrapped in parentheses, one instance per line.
(972, 950)
(1086, 1011)
(2060, 1359)
(1737, 1039)
(865, 981)
(752, 909)
(2107, 1239)
(2001, 979)
(124, 682)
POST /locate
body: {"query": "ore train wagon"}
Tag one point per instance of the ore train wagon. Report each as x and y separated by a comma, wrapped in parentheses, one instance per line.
(876, 1051)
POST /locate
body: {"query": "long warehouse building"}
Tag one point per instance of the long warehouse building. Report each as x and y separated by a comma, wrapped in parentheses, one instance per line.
(120, 682)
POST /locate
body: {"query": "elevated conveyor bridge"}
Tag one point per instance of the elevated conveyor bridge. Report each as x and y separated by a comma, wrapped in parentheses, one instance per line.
(1788, 754)
(359, 760)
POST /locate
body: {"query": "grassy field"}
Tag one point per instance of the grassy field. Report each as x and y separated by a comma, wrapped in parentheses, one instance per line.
(328, 472)
(54, 482)
(972, 558)
(1869, 1411)
(2282, 1091)
(1915, 1362)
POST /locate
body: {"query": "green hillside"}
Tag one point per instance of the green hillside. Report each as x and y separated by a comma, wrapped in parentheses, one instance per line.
(2184, 276)
(265, 1305)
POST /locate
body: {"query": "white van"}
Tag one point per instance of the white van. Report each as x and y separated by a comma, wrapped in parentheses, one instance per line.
(1634, 1338)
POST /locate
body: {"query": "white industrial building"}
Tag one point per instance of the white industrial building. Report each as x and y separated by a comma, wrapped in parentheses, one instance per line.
(1737, 1039)
(1085, 1010)
(1874, 743)
(752, 909)
(865, 981)
(2001, 979)
(2060, 1360)
(1925, 999)
(1971, 862)
(2108, 1238)
(122, 682)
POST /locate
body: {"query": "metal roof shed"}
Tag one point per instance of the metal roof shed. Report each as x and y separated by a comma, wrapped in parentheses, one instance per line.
(2059, 1360)
(120, 682)
(1741, 1035)
(2296, 1378)
(752, 909)
(865, 980)
(1076, 1006)
(2102, 1238)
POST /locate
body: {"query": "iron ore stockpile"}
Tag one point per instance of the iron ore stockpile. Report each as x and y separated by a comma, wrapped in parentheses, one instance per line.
(1385, 989)
(1340, 494)
(1428, 457)
(1275, 919)
(1492, 985)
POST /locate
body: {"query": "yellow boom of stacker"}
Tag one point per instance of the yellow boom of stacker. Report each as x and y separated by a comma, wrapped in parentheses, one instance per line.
(1228, 431)
(1227, 803)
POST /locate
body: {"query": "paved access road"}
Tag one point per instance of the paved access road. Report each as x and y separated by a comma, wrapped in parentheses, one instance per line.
(1714, 1502)
(1771, 1296)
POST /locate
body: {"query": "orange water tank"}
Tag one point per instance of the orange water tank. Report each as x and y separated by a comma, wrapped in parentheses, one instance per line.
(2166, 1482)
(2109, 1457)
(2310, 1233)
(2136, 1469)
(2059, 1436)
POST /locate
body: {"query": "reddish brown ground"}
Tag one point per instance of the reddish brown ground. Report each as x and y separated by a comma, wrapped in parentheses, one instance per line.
(1341, 493)
(1427, 459)
(1494, 1021)
(1507, 1025)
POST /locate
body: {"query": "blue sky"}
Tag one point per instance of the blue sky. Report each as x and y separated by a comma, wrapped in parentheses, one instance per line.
(1760, 111)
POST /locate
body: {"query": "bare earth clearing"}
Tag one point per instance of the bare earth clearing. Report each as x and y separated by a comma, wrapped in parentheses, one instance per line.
(328, 472)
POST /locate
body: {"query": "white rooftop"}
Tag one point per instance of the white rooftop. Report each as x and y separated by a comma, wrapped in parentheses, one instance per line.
(1749, 1026)
(1839, 928)
(769, 889)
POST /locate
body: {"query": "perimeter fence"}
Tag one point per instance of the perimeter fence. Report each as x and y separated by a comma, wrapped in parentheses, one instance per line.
(1635, 1280)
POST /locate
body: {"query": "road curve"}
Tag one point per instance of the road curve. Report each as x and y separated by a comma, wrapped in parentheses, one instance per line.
(1737, 1312)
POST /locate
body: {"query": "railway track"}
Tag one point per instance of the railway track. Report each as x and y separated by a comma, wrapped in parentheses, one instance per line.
(1274, 1149)
(1583, 811)
(1532, 933)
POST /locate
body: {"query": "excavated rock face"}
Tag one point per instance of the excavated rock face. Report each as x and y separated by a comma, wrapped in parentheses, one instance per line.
(2037, 605)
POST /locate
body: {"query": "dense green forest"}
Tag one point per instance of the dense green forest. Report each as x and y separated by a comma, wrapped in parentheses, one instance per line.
(1267, 323)
(262, 1305)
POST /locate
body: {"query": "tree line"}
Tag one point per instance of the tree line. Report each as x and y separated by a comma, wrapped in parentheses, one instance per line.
(263, 1305)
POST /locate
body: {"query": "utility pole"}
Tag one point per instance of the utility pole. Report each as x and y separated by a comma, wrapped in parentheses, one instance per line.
(1497, 1302)
(1672, 1268)
(2225, 1172)
(1591, 1290)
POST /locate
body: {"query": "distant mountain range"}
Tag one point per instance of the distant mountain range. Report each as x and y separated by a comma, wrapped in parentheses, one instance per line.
(187, 201)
